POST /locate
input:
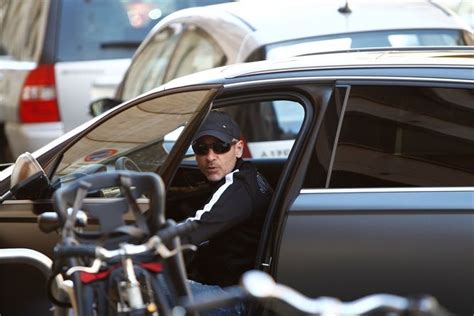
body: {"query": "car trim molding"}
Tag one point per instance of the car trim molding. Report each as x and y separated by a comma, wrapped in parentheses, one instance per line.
(388, 190)
(342, 78)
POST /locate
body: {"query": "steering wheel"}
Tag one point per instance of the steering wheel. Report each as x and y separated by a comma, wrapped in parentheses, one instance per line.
(125, 163)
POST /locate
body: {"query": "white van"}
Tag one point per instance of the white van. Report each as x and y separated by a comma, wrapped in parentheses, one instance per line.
(56, 51)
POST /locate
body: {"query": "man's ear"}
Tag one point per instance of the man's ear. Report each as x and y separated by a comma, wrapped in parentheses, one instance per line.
(239, 149)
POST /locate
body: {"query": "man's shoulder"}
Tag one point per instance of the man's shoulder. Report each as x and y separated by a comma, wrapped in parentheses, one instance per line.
(245, 170)
(248, 174)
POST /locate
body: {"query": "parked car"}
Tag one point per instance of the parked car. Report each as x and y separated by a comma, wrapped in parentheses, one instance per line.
(196, 39)
(59, 50)
(374, 196)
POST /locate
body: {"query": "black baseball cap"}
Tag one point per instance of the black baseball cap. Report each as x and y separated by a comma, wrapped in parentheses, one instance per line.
(220, 125)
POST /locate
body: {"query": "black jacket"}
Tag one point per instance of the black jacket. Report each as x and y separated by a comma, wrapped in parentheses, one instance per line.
(230, 225)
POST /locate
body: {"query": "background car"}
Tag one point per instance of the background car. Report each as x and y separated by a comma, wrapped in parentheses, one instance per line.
(60, 49)
(375, 195)
(463, 8)
(196, 39)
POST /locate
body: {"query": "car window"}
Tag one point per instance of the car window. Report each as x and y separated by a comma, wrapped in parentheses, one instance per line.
(269, 128)
(344, 41)
(196, 51)
(137, 132)
(106, 29)
(319, 164)
(148, 68)
(405, 136)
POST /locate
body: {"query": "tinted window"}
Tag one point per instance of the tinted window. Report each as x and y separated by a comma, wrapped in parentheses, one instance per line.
(269, 127)
(406, 136)
(319, 163)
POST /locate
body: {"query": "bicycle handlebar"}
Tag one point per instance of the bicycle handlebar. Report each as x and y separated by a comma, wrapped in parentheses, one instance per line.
(170, 232)
(155, 244)
(259, 286)
(62, 251)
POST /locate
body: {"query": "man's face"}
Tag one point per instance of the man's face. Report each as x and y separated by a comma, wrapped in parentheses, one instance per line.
(216, 166)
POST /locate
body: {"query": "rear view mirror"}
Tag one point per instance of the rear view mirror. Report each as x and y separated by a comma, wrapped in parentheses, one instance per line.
(100, 106)
(28, 180)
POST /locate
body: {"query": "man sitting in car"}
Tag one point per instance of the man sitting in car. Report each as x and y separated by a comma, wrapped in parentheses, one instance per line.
(230, 222)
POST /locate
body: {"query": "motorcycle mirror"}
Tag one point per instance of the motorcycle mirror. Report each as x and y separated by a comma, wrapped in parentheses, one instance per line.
(28, 180)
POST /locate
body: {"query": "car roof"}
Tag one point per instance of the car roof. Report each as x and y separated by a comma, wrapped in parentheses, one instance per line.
(250, 24)
(320, 17)
(365, 59)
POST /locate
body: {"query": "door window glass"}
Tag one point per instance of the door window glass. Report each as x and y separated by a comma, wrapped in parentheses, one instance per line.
(319, 164)
(196, 51)
(406, 136)
(137, 133)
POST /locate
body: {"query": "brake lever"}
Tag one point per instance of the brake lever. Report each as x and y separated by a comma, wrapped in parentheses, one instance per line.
(94, 268)
(164, 252)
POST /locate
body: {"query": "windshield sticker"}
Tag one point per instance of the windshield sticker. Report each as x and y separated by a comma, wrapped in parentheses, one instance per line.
(100, 155)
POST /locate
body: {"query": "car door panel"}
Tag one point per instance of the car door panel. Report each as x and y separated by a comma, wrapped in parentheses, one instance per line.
(405, 242)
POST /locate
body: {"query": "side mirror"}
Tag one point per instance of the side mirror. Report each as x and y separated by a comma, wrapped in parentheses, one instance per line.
(100, 106)
(28, 180)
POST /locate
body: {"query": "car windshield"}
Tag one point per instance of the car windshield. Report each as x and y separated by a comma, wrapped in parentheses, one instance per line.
(392, 38)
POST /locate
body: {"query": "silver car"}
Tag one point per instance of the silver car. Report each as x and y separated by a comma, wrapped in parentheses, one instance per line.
(196, 39)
